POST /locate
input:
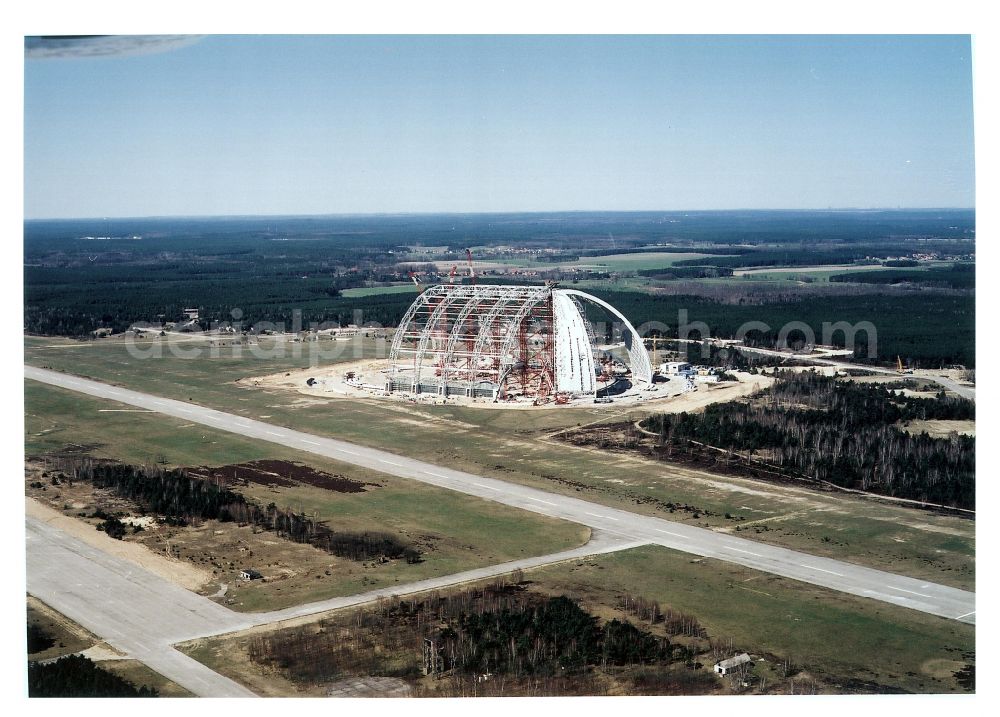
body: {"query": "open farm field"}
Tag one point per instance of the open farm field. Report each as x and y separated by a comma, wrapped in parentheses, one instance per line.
(800, 273)
(925, 270)
(637, 261)
(407, 288)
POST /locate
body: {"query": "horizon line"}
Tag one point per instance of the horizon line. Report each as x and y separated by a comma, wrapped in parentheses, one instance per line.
(500, 212)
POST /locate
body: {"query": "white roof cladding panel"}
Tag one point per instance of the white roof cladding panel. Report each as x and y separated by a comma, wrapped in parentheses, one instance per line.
(642, 370)
(575, 372)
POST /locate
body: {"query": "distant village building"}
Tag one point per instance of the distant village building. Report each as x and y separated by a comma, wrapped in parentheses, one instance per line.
(191, 314)
(726, 666)
(102, 333)
(250, 574)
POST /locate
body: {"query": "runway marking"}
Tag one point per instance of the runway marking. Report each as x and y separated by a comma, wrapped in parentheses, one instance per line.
(596, 515)
(676, 535)
(436, 475)
(306, 440)
(823, 570)
(383, 460)
(903, 590)
(273, 433)
(488, 487)
(738, 550)
(184, 410)
(965, 615)
(350, 453)
(539, 500)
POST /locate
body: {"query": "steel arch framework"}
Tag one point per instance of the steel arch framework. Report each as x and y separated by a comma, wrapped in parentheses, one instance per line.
(496, 341)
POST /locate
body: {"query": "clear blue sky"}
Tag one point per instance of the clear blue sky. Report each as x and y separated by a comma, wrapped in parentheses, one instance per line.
(317, 125)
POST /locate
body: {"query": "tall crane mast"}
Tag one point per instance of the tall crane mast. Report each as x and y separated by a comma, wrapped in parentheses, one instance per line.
(472, 269)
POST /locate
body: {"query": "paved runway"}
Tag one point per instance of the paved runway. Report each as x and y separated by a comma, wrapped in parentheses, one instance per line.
(838, 575)
(143, 615)
(136, 612)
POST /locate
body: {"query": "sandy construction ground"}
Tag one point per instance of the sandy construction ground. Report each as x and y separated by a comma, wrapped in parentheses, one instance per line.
(183, 574)
(330, 382)
(707, 394)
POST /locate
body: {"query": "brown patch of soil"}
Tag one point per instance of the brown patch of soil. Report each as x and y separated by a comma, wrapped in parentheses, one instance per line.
(280, 473)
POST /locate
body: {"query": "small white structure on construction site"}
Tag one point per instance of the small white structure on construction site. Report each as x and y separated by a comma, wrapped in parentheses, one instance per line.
(675, 368)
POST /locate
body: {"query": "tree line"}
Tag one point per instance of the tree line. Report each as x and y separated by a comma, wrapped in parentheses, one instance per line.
(687, 272)
(843, 433)
(553, 635)
(501, 629)
(928, 329)
(78, 676)
(181, 498)
(955, 276)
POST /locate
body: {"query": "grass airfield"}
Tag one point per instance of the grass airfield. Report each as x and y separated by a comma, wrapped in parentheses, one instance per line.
(775, 616)
(510, 445)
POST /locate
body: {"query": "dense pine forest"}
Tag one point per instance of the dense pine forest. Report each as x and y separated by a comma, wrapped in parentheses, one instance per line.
(77, 676)
(845, 433)
(925, 329)
(181, 498)
(500, 630)
(552, 635)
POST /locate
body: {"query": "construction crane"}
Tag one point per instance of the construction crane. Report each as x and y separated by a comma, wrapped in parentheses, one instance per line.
(472, 269)
(656, 338)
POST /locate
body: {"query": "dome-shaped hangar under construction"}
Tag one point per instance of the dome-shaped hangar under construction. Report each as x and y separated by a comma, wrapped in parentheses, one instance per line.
(504, 343)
